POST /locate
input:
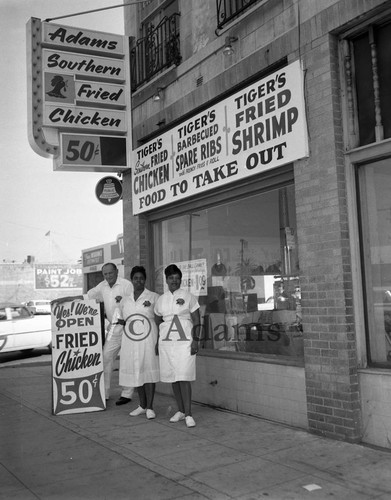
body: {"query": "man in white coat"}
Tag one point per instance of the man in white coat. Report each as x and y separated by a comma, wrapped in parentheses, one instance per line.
(110, 292)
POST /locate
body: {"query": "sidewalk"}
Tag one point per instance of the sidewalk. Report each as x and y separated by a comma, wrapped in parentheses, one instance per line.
(109, 455)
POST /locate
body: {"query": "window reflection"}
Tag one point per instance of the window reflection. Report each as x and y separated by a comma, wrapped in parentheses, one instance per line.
(375, 186)
(240, 258)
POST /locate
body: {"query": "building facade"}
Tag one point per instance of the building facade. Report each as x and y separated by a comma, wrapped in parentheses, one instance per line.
(291, 256)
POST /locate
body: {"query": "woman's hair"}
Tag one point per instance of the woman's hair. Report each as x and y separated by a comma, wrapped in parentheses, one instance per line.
(172, 269)
(138, 269)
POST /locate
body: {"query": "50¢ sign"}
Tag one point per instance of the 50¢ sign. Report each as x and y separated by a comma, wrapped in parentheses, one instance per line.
(91, 152)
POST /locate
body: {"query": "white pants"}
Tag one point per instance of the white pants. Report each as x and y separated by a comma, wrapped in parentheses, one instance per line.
(110, 352)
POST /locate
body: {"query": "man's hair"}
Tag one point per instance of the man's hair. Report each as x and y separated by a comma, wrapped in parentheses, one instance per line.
(110, 264)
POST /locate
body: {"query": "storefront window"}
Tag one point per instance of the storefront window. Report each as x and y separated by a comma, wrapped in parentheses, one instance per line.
(375, 188)
(240, 258)
(372, 77)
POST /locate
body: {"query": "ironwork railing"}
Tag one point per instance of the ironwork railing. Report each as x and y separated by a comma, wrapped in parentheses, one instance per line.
(159, 49)
(229, 9)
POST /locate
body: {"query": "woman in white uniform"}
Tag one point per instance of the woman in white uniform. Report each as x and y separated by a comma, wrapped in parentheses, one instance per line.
(179, 314)
(139, 364)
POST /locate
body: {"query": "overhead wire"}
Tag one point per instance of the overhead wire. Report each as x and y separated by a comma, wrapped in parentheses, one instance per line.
(94, 10)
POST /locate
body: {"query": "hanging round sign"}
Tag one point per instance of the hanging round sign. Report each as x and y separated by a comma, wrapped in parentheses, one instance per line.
(109, 190)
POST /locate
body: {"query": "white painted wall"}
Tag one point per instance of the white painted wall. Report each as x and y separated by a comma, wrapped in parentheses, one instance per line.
(272, 391)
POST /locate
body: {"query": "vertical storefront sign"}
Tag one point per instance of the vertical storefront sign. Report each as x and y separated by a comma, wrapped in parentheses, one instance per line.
(77, 360)
(78, 82)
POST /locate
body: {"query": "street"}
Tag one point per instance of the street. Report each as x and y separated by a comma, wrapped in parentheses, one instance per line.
(25, 357)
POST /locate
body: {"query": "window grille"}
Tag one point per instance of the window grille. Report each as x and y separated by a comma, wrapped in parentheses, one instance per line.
(158, 50)
(368, 78)
(229, 9)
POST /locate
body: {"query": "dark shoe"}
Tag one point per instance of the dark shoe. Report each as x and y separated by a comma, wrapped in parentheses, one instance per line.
(123, 401)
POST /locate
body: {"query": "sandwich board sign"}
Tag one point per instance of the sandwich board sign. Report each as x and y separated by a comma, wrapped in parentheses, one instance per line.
(77, 359)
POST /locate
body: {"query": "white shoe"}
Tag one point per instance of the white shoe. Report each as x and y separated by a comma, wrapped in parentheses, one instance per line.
(177, 417)
(151, 414)
(190, 421)
(138, 411)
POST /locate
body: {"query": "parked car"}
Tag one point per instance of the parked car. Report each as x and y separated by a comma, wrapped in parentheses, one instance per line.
(41, 306)
(20, 330)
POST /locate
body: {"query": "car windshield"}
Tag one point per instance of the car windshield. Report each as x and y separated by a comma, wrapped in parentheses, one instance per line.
(14, 312)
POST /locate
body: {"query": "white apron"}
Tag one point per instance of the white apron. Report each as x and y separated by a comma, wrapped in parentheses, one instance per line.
(139, 364)
(175, 336)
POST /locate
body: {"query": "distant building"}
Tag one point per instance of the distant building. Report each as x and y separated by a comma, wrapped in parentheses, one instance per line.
(30, 280)
(93, 259)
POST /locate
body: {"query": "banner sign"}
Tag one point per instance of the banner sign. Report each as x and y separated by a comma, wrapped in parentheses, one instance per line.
(77, 360)
(58, 276)
(77, 82)
(261, 127)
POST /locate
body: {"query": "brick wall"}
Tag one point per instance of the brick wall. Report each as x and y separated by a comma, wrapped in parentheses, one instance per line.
(131, 227)
(329, 341)
(135, 231)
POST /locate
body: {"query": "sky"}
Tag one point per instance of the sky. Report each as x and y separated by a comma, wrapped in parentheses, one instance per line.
(34, 199)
